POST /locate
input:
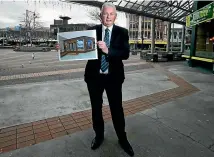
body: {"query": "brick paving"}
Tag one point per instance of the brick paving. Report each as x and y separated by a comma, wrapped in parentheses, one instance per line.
(24, 135)
(50, 73)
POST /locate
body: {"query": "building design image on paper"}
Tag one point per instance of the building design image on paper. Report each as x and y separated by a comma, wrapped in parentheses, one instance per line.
(78, 45)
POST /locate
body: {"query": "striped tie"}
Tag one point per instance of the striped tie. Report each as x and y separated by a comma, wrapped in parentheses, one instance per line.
(104, 63)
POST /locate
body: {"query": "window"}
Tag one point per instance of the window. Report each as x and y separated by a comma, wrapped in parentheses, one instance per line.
(149, 25)
(149, 35)
(146, 34)
(180, 35)
(74, 46)
(204, 42)
(80, 44)
(89, 44)
(161, 35)
(71, 47)
(175, 35)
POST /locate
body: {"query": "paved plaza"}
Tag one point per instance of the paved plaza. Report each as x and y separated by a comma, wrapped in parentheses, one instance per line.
(45, 109)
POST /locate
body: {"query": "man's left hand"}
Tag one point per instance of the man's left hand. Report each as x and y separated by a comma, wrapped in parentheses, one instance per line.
(102, 46)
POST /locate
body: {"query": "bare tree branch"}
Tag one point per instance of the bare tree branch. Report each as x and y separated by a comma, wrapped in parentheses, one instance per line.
(94, 14)
(31, 24)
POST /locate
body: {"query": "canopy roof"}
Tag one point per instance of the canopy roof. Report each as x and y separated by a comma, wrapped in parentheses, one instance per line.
(173, 11)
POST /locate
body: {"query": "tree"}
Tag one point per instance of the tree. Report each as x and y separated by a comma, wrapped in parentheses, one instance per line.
(94, 14)
(30, 24)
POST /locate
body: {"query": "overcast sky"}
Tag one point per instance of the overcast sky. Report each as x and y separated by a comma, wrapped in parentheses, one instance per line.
(11, 13)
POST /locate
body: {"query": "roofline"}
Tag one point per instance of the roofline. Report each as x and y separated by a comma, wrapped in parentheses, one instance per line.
(131, 11)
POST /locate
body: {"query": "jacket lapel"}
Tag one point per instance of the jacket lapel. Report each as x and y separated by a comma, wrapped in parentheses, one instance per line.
(113, 34)
(99, 32)
(99, 38)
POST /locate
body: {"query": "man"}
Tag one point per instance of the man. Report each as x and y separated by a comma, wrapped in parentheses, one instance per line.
(107, 72)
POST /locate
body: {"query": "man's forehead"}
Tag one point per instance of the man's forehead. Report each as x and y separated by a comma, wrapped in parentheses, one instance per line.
(109, 8)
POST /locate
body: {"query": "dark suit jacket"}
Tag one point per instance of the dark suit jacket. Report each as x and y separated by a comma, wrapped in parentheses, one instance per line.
(118, 51)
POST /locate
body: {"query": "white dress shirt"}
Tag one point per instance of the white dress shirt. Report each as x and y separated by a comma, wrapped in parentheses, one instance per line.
(103, 35)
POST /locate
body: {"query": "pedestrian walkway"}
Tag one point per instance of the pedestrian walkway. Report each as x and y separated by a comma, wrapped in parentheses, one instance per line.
(172, 115)
(49, 73)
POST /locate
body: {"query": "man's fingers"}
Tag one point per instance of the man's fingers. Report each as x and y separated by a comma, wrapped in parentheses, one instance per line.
(101, 44)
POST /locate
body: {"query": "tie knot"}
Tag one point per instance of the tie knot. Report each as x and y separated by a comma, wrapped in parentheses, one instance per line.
(106, 30)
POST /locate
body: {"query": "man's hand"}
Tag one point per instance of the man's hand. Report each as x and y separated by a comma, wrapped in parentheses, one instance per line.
(102, 46)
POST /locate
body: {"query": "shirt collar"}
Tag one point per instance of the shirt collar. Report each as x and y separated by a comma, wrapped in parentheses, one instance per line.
(104, 27)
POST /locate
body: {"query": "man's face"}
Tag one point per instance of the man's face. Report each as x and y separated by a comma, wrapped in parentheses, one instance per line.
(108, 16)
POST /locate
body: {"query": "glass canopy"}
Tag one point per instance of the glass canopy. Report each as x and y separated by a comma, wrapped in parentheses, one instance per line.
(173, 11)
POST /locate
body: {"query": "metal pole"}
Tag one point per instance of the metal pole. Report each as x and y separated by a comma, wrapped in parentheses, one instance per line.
(153, 36)
(182, 39)
(142, 34)
(168, 37)
(20, 36)
(172, 38)
(3, 38)
(132, 22)
(139, 27)
(27, 25)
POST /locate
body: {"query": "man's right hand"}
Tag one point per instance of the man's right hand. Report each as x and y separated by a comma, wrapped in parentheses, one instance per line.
(102, 46)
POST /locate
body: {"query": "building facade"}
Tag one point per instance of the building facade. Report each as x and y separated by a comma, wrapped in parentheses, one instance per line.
(140, 27)
(63, 26)
(14, 35)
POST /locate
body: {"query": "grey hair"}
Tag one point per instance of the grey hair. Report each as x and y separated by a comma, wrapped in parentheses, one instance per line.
(108, 4)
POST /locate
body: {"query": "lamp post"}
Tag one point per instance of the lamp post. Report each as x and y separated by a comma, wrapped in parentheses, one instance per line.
(20, 27)
(3, 38)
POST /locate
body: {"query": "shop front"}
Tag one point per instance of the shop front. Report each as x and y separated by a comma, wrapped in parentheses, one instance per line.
(201, 21)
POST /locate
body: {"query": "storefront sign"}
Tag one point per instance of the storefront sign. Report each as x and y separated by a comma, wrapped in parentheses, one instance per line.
(204, 14)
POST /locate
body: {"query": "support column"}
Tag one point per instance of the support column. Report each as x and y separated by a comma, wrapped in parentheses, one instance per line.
(193, 38)
(139, 27)
(156, 34)
(132, 30)
(147, 28)
(168, 36)
(165, 31)
(182, 39)
(144, 27)
(172, 37)
(3, 38)
(153, 35)
(142, 33)
(127, 21)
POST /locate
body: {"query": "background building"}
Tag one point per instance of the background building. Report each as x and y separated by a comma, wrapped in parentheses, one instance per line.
(14, 35)
(140, 27)
(63, 26)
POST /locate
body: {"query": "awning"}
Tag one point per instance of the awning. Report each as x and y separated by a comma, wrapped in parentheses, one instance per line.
(174, 11)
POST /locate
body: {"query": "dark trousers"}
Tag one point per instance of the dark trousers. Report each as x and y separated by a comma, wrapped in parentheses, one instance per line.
(114, 93)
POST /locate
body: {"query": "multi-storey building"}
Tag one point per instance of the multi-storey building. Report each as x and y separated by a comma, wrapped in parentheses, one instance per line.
(140, 27)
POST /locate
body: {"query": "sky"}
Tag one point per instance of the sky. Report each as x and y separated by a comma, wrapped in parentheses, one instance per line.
(12, 12)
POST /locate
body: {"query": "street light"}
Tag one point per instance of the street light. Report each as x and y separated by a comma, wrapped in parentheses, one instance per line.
(20, 27)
